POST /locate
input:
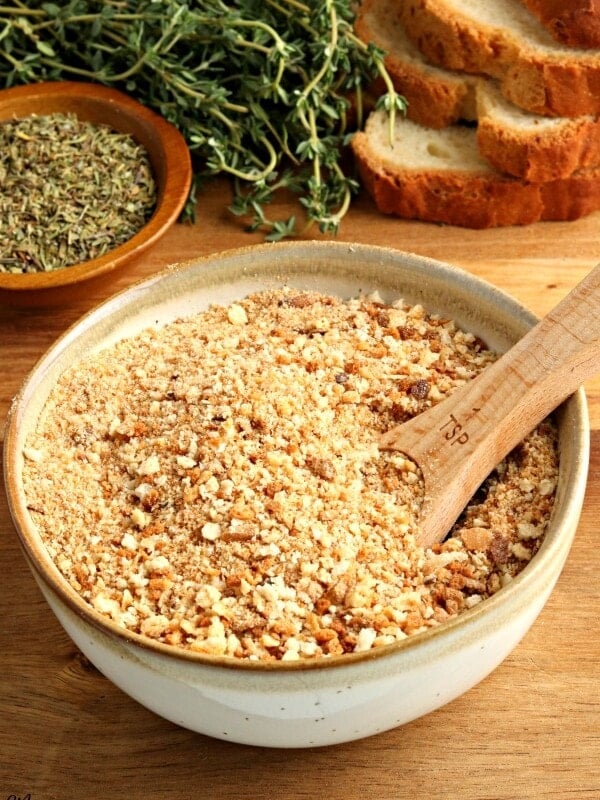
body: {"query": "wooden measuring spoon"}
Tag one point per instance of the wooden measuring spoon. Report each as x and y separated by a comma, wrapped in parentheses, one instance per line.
(458, 442)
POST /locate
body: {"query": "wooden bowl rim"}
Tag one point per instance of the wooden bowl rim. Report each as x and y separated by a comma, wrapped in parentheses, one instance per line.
(173, 190)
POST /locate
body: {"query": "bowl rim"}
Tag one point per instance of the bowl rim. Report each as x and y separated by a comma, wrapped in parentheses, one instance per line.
(45, 569)
(171, 197)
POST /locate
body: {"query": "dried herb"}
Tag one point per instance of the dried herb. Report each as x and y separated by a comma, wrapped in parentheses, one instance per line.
(259, 88)
(70, 191)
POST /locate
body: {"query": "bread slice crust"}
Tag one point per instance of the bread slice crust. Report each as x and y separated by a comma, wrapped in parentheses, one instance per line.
(575, 23)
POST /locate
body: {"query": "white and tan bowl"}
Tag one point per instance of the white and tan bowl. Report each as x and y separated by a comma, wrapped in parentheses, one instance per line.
(342, 698)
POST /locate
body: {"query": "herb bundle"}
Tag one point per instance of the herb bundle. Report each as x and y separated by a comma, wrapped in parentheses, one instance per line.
(260, 89)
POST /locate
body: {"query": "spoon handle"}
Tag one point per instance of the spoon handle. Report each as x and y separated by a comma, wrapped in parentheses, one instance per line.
(458, 442)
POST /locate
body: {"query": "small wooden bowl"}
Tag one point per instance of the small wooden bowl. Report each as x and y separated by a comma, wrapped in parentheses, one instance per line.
(171, 166)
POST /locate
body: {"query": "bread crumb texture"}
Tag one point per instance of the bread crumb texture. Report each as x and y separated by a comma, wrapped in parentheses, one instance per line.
(216, 484)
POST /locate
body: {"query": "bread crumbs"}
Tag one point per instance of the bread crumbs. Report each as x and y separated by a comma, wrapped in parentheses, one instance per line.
(216, 484)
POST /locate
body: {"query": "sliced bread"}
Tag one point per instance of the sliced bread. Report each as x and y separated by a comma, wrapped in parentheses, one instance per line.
(440, 176)
(572, 22)
(436, 97)
(532, 147)
(504, 41)
(526, 145)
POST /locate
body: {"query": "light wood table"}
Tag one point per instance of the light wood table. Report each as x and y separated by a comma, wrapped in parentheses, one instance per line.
(529, 730)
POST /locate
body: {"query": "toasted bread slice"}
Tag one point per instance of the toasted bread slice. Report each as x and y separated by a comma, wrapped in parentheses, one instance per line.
(440, 176)
(436, 97)
(504, 41)
(530, 146)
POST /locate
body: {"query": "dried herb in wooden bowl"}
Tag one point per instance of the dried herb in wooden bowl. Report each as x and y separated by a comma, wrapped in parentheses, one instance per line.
(70, 191)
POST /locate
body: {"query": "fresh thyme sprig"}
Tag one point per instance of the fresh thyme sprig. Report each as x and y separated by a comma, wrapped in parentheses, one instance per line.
(267, 91)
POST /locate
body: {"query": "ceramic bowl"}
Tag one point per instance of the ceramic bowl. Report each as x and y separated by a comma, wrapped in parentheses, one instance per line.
(325, 701)
(169, 157)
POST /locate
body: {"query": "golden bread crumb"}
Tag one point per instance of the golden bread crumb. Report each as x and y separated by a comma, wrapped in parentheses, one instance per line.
(216, 484)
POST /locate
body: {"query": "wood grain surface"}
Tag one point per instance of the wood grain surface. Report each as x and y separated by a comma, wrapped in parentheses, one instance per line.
(529, 730)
